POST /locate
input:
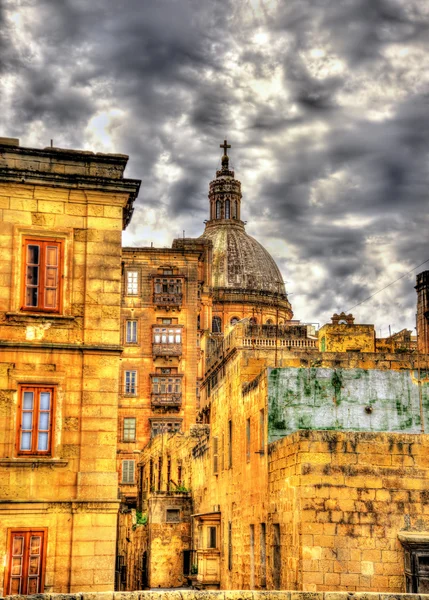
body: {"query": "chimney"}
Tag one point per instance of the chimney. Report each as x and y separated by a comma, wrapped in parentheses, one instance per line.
(422, 289)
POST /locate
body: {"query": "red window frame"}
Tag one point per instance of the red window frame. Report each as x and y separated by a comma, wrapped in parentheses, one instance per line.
(42, 261)
(25, 566)
(35, 420)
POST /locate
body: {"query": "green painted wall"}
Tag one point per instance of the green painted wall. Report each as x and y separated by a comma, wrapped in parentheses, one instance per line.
(344, 399)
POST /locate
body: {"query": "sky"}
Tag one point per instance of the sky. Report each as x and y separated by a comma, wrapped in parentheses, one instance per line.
(325, 104)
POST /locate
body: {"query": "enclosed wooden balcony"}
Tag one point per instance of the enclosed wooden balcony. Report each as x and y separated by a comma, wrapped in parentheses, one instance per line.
(167, 400)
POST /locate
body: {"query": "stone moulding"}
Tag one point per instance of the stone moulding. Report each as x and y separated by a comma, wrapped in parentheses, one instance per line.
(27, 317)
(223, 595)
(33, 463)
(64, 346)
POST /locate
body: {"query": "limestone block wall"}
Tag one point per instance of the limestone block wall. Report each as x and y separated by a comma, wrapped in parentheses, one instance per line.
(226, 595)
(69, 490)
(342, 337)
(150, 263)
(340, 499)
(356, 399)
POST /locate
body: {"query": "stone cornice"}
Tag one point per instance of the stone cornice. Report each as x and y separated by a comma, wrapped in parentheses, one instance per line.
(76, 181)
(58, 346)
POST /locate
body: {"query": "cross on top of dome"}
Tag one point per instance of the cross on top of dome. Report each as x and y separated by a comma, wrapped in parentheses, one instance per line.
(225, 147)
(225, 157)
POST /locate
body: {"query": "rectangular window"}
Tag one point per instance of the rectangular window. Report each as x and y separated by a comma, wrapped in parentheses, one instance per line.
(131, 336)
(211, 537)
(166, 385)
(128, 468)
(161, 427)
(263, 555)
(262, 431)
(42, 275)
(129, 429)
(230, 444)
(132, 283)
(25, 569)
(247, 440)
(35, 420)
(172, 515)
(165, 335)
(229, 546)
(277, 559)
(130, 384)
(215, 456)
(252, 557)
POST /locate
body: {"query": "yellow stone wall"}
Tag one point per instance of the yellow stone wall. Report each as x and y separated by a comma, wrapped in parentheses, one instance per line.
(344, 337)
(341, 499)
(188, 263)
(73, 491)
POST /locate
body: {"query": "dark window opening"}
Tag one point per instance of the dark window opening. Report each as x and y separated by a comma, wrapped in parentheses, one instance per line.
(172, 515)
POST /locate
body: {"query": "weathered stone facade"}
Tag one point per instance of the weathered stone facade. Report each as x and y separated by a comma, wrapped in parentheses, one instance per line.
(169, 309)
(295, 507)
(247, 283)
(59, 367)
(308, 466)
(227, 595)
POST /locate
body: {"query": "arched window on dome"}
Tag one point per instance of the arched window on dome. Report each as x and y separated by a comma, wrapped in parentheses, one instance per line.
(217, 325)
(227, 209)
(234, 321)
(234, 209)
(218, 209)
(253, 321)
(269, 322)
(281, 322)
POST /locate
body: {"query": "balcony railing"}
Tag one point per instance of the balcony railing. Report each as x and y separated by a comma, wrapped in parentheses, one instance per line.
(166, 399)
(166, 299)
(167, 349)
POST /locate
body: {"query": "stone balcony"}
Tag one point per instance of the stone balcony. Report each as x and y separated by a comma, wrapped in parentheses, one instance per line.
(165, 300)
(167, 350)
(167, 400)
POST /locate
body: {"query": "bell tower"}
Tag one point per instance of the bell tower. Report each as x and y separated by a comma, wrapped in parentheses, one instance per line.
(225, 192)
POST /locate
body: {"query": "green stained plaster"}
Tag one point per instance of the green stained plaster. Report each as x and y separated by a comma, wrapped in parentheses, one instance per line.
(335, 399)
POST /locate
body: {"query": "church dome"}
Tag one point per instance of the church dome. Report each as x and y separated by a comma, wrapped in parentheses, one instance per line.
(243, 272)
(239, 261)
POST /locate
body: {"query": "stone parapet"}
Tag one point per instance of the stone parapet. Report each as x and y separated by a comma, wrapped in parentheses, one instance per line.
(223, 595)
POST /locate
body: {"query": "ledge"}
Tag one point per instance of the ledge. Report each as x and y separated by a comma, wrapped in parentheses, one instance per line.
(413, 538)
(33, 463)
(29, 316)
(35, 345)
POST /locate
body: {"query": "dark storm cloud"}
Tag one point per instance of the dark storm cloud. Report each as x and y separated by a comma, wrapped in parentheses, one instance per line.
(347, 149)
(358, 30)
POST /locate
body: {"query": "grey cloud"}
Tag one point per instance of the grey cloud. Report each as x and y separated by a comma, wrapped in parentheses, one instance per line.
(185, 73)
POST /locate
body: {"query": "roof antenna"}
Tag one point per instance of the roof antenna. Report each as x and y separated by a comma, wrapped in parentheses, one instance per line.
(183, 234)
(52, 143)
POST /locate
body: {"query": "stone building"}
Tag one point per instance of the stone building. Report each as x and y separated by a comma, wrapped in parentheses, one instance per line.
(310, 476)
(62, 214)
(166, 307)
(246, 281)
(242, 449)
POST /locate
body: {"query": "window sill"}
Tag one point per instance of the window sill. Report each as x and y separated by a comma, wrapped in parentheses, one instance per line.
(33, 462)
(29, 316)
